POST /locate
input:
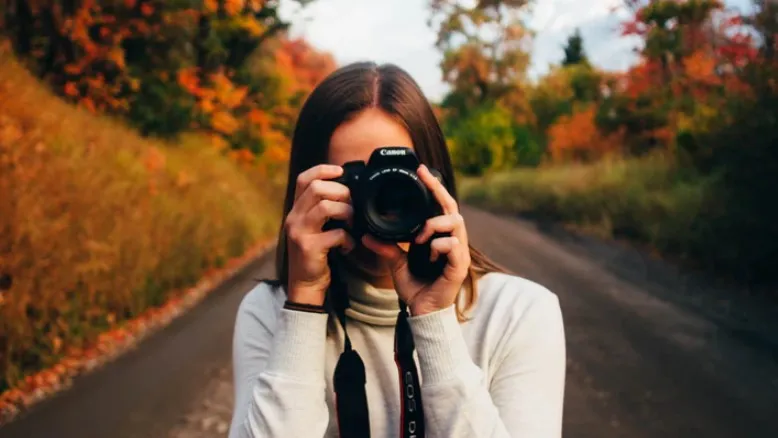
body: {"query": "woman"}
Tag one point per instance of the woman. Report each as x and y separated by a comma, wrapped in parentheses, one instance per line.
(489, 347)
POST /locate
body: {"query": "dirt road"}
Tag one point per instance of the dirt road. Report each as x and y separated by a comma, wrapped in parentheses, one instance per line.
(651, 352)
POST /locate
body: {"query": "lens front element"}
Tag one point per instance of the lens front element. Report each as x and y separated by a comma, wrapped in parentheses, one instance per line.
(396, 204)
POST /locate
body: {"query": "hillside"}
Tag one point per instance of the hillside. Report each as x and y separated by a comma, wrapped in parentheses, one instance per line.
(99, 224)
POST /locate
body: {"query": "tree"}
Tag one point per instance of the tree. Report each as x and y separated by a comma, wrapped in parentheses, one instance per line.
(483, 140)
(576, 136)
(485, 51)
(174, 65)
(574, 51)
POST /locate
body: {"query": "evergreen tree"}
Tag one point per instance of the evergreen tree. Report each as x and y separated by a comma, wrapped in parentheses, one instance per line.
(574, 51)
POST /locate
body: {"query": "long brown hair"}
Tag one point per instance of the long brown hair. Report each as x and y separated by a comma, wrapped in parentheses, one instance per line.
(340, 97)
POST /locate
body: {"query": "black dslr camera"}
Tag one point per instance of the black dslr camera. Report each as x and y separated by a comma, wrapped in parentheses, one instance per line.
(392, 203)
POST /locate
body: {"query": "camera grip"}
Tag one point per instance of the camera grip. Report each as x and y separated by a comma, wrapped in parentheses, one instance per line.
(419, 263)
(333, 224)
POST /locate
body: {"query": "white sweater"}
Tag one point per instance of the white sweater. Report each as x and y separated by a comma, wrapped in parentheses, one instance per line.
(500, 374)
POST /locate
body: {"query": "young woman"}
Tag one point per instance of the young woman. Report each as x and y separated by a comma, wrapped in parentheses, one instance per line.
(325, 351)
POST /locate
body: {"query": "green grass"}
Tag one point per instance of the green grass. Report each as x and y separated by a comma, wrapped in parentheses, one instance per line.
(646, 200)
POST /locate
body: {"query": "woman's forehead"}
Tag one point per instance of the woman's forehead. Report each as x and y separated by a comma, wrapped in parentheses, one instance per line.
(371, 129)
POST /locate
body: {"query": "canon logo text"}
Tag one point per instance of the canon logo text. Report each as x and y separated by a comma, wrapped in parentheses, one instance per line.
(385, 152)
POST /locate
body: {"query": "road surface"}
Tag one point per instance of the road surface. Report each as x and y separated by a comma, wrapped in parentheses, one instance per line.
(651, 352)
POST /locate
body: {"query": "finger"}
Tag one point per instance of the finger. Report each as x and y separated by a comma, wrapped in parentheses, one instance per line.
(322, 171)
(446, 245)
(318, 190)
(325, 210)
(389, 251)
(437, 188)
(450, 223)
(327, 240)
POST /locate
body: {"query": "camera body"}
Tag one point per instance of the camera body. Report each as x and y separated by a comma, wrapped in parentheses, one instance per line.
(392, 204)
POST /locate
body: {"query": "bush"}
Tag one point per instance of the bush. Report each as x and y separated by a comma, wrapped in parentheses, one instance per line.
(162, 108)
(646, 200)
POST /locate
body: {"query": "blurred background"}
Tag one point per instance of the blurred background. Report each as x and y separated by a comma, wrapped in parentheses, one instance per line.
(143, 146)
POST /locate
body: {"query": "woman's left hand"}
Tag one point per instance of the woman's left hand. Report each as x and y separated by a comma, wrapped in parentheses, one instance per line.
(424, 298)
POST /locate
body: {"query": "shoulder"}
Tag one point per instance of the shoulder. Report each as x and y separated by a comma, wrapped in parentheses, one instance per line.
(512, 300)
(524, 317)
(259, 308)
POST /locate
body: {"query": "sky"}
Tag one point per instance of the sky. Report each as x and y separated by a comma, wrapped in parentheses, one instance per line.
(396, 31)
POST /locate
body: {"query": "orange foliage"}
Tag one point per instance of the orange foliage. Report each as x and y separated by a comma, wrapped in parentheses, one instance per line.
(305, 65)
(75, 191)
(224, 122)
(233, 7)
(94, 57)
(700, 67)
(211, 6)
(228, 107)
(577, 136)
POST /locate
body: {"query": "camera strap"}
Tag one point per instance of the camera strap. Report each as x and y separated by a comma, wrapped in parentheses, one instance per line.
(349, 381)
(412, 412)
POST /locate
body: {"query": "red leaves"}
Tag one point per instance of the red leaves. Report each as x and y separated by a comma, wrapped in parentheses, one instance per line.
(146, 9)
(633, 27)
(735, 20)
(71, 90)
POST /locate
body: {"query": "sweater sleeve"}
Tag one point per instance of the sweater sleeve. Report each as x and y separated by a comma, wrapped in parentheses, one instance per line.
(278, 366)
(525, 396)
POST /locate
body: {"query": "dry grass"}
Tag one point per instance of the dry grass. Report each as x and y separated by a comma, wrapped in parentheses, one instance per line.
(97, 223)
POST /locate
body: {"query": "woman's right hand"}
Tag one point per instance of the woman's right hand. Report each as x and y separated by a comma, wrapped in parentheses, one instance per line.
(316, 201)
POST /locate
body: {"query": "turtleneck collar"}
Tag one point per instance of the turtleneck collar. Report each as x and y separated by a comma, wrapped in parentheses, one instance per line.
(369, 304)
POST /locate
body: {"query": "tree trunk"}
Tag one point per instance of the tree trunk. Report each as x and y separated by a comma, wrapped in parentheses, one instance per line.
(24, 22)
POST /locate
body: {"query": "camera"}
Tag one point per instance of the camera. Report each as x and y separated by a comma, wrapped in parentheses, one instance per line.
(392, 204)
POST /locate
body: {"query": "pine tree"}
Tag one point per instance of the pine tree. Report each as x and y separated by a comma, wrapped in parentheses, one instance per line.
(574, 51)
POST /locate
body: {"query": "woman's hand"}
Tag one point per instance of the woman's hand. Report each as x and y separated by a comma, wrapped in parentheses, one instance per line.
(426, 298)
(316, 201)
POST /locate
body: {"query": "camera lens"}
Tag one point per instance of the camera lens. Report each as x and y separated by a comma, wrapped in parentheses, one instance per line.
(397, 206)
(391, 205)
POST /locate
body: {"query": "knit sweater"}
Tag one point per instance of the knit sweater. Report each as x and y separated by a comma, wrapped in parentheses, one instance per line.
(499, 374)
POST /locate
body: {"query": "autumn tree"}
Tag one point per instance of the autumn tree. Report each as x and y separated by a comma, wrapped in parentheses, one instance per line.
(577, 137)
(485, 50)
(127, 56)
(485, 58)
(690, 52)
(738, 146)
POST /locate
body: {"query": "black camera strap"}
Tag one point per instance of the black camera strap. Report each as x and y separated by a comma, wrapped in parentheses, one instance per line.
(349, 380)
(412, 412)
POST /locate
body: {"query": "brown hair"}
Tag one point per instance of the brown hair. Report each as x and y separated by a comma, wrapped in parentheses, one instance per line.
(340, 97)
